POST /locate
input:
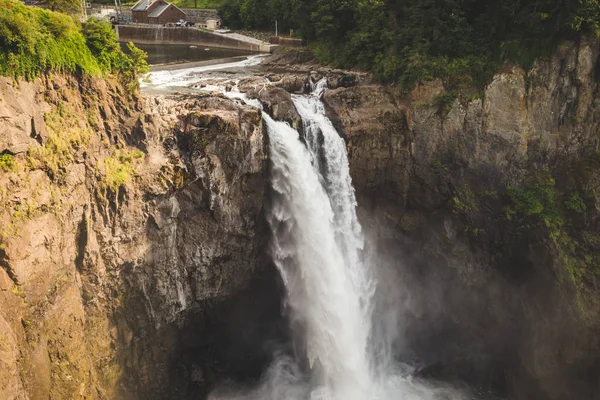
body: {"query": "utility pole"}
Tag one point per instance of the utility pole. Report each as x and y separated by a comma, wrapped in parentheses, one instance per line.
(276, 29)
(83, 10)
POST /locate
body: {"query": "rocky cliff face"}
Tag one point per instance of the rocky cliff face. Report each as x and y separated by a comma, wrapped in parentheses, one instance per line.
(128, 227)
(476, 195)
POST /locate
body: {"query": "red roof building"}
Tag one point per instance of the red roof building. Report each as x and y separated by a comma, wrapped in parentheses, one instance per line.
(156, 12)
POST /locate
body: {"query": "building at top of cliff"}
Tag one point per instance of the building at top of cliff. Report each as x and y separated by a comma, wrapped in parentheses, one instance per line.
(156, 12)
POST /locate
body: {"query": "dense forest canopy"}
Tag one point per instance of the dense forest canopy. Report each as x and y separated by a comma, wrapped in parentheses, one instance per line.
(407, 40)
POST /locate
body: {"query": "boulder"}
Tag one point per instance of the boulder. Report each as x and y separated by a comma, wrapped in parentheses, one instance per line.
(278, 103)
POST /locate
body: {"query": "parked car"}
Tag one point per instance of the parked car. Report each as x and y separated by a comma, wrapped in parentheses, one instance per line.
(182, 22)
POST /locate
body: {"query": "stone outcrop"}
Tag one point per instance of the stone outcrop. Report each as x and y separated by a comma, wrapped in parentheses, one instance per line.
(127, 222)
(278, 103)
(22, 116)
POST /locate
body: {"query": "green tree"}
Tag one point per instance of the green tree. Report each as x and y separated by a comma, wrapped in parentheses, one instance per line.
(135, 67)
(66, 6)
(462, 41)
(229, 11)
(103, 43)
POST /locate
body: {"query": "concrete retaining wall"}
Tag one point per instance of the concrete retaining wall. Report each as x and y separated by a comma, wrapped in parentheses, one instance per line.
(288, 42)
(160, 34)
(200, 15)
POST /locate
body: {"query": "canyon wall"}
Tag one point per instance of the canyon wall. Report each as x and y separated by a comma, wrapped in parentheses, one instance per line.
(128, 226)
(469, 202)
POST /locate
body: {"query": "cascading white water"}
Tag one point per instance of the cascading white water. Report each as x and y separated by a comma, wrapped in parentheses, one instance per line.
(317, 245)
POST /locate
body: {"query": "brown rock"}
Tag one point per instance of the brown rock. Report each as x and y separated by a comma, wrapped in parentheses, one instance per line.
(278, 103)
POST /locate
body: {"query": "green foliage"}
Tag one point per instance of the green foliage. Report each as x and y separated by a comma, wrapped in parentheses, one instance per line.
(230, 12)
(192, 3)
(262, 14)
(586, 17)
(102, 41)
(577, 247)
(464, 201)
(34, 41)
(443, 102)
(67, 6)
(439, 168)
(135, 67)
(65, 137)
(575, 203)
(119, 169)
(538, 200)
(7, 163)
(178, 178)
(461, 41)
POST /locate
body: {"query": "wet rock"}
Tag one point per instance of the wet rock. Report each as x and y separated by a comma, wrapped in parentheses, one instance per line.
(294, 83)
(252, 85)
(278, 103)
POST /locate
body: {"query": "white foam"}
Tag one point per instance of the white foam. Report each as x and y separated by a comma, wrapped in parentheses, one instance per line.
(185, 76)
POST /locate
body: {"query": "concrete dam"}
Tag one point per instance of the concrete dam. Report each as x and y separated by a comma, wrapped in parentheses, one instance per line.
(179, 35)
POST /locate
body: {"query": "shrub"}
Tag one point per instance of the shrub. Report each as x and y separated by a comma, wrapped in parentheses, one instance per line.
(538, 200)
(7, 163)
(119, 168)
(102, 41)
(575, 203)
(33, 41)
(135, 67)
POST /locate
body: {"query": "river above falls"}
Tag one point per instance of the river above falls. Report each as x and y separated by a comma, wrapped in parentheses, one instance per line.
(182, 53)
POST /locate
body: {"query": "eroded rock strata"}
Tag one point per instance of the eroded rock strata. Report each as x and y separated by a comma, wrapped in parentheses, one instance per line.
(469, 205)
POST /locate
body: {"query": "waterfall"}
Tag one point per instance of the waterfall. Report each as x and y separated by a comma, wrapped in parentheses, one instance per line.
(317, 246)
